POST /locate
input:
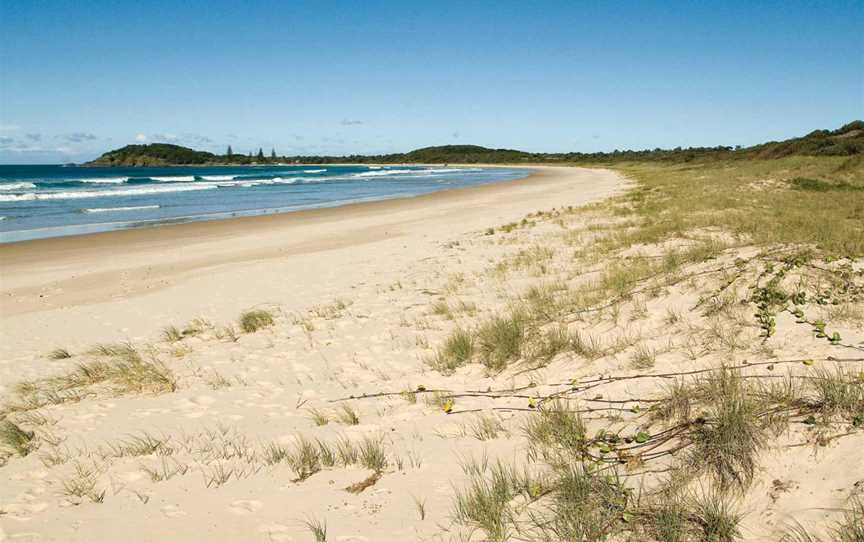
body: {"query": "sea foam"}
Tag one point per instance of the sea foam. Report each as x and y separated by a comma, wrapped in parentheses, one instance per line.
(116, 209)
(218, 177)
(104, 180)
(175, 179)
(384, 173)
(16, 186)
(30, 196)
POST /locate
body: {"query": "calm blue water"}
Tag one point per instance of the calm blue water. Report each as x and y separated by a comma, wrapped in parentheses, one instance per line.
(49, 201)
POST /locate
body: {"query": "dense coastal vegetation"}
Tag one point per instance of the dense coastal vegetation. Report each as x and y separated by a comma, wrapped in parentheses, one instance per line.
(845, 141)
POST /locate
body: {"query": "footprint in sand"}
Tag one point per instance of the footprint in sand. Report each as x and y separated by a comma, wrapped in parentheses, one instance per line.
(172, 511)
(275, 532)
(246, 507)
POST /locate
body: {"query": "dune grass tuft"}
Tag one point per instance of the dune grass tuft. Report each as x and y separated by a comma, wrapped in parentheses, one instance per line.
(253, 320)
(122, 369)
(371, 453)
(16, 439)
(727, 444)
(347, 415)
(501, 339)
(171, 334)
(456, 351)
(485, 503)
(305, 458)
(59, 353)
(318, 529)
(318, 417)
(716, 517)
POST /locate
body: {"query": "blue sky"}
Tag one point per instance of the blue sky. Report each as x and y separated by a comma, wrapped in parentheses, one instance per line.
(79, 78)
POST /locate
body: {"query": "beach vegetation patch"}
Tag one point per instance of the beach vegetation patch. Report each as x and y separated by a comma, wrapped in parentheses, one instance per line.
(16, 439)
(122, 369)
(59, 353)
(501, 338)
(371, 453)
(456, 351)
(318, 528)
(253, 320)
(171, 334)
(347, 415)
(318, 417)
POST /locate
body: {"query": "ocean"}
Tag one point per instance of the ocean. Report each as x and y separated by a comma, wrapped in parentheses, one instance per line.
(51, 201)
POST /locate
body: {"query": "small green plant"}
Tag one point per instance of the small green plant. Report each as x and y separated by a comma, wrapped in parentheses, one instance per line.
(371, 453)
(644, 357)
(171, 334)
(456, 351)
(318, 417)
(16, 439)
(347, 415)
(317, 528)
(253, 320)
(305, 458)
(420, 505)
(501, 339)
(59, 353)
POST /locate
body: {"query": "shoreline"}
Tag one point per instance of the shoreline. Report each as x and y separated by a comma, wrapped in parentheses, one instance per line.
(96, 228)
(307, 212)
(137, 279)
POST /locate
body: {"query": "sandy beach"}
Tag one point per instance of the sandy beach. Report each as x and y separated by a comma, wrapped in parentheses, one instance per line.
(382, 259)
(161, 417)
(128, 284)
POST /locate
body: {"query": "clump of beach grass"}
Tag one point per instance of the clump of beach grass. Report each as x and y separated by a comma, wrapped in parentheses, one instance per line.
(716, 517)
(728, 443)
(346, 452)
(171, 334)
(59, 353)
(123, 369)
(456, 351)
(347, 415)
(838, 392)
(501, 338)
(553, 430)
(318, 417)
(554, 341)
(255, 319)
(442, 308)
(644, 357)
(82, 484)
(371, 453)
(318, 528)
(16, 439)
(584, 503)
(485, 427)
(485, 503)
(305, 458)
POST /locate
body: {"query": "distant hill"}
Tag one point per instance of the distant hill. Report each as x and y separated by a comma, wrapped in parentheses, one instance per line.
(155, 154)
(845, 141)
